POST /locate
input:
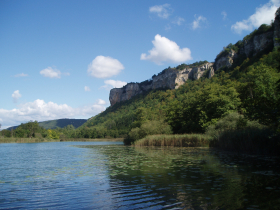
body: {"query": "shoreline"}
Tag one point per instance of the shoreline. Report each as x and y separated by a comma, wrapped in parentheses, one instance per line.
(42, 140)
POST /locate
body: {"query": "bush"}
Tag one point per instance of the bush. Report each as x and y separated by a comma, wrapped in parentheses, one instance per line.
(148, 128)
(232, 121)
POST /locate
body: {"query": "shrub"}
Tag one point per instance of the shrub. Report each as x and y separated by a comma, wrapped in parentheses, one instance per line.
(147, 128)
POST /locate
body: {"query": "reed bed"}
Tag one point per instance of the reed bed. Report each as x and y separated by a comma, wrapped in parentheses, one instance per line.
(179, 140)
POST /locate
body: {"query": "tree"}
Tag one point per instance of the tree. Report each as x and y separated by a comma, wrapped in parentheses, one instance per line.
(262, 98)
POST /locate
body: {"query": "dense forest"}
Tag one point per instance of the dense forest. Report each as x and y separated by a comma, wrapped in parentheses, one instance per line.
(245, 95)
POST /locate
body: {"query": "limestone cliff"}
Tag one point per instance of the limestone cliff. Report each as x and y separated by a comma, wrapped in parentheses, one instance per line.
(251, 46)
(226, 60)
(277, 28)
(170, 78)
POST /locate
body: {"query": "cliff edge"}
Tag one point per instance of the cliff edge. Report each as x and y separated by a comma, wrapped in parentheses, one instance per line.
(172, 78)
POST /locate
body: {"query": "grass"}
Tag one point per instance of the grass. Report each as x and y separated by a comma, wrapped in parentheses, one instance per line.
(179, 140)
(38, 140)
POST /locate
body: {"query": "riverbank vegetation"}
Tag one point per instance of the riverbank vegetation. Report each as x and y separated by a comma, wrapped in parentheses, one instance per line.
(237, 109)
(40, 140)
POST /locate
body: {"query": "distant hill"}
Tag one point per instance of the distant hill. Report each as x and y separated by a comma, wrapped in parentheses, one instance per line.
(60, 123)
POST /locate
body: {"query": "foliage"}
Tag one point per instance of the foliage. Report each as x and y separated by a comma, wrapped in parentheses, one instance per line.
(196, 64)
(52, 134)
(148, 128)
(183, 140)
(231, 122)
(61, 123)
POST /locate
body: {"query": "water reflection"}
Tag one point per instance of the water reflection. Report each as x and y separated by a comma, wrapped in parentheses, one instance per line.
(194, 178)
(60, 176)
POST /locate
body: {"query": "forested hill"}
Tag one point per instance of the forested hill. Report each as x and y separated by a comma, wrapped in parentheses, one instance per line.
(246, 84)
(60, 123)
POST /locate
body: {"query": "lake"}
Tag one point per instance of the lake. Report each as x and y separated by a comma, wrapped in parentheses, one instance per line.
(108, 175)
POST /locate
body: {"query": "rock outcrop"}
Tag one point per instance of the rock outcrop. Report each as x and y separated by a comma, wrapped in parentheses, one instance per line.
(173, 78)
(226, 60)
(170, 78)
(276, 34)
(257, 43)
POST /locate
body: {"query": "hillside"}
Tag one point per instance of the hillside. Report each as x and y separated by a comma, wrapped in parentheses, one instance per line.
(243, 80)
(60, 123)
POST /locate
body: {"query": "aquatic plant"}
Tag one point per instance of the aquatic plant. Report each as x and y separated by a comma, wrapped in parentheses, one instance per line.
(182, 140)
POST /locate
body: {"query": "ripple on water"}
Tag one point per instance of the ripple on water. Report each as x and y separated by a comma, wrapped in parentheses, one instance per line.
(59, 176)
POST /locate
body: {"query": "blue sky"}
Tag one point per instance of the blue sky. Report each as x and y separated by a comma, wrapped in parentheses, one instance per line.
(59, 59)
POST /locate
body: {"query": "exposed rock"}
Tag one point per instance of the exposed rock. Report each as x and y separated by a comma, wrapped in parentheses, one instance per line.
(226, 60)
(277, 28)
(258, 43)
(173, 78)
(170, 78)
(124, 93)
(211, 73)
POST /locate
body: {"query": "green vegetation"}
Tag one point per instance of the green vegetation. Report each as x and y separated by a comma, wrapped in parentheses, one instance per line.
(246, 92)
(237, 109)
(179, 140)
(238, 45)
(196, 64)
(60, 123)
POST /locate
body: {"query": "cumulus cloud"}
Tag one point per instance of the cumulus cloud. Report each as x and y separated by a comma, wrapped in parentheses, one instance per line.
(198, 21)
(224, 14)
(50, 72)
(162, 11)
(16, 95)
(263, 15)
(21, 75)
(103, 67)
(165, 50)
(87, 88)
(40, 110)
(178, 21)
(115, 83)
(101, 102)
(109, 84)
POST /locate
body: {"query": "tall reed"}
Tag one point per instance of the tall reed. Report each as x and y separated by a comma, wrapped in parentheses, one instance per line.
(179, 140)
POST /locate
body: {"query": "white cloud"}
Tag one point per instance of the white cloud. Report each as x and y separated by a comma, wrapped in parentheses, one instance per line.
(87, 88)
(178, 21)
(263, 15)
(224, 14)
(162, 11)
(40, 110)
(50, 72)
(102, 67)
(101, 102)
(115, 83)
(165, 50)
(21, 75)
(16, 95)
(197, 22)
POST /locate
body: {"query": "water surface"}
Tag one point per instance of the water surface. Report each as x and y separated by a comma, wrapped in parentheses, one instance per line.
(108, 175)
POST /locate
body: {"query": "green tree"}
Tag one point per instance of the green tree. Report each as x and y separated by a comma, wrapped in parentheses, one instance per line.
(261, 98)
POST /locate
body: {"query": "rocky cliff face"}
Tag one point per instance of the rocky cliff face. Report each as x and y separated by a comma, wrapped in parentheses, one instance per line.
(170, 78)
(257, 43)
(252, 46)
(276, 34)
(226, 60)
(173, 78)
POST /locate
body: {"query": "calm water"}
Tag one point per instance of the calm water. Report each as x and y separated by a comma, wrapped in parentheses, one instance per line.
(108, 175)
